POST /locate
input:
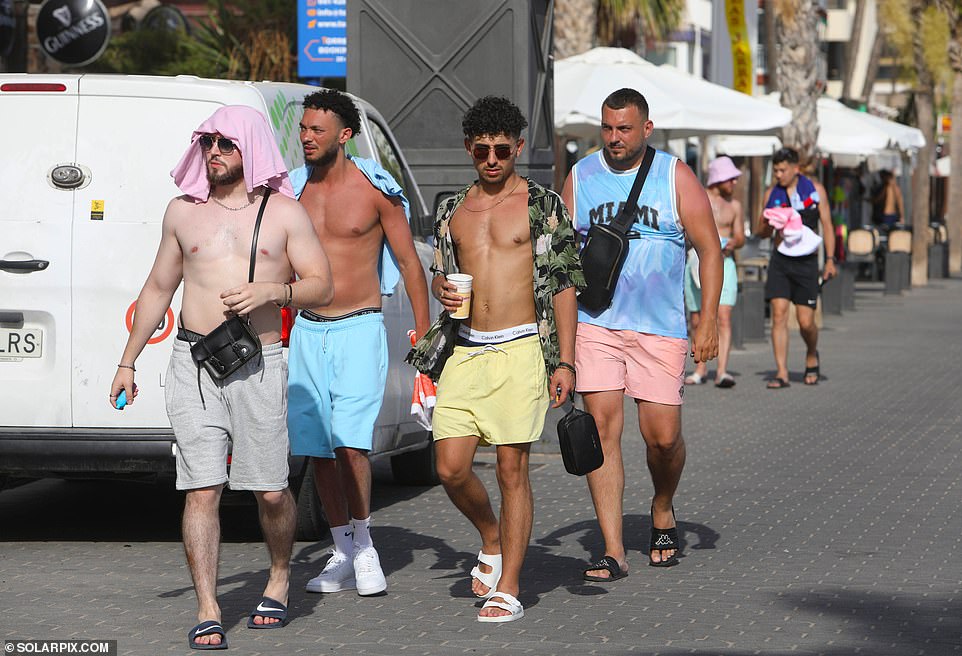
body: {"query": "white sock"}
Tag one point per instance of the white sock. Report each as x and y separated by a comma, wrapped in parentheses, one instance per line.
(343, 539)
(362, 532)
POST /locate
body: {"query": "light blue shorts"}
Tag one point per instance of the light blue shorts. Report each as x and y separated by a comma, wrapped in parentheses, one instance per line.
(337, 371)
(729, 290)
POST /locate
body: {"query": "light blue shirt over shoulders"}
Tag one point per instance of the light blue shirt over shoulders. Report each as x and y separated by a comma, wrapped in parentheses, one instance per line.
(388, 268)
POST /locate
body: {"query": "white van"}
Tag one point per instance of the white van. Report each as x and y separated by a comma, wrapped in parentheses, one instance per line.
(85, 162)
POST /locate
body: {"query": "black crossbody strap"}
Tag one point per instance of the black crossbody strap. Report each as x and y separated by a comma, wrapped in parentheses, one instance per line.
(257, 229)
(626, 217)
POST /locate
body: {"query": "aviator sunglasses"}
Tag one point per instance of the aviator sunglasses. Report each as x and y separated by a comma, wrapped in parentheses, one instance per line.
(224, 145)
(501, 151)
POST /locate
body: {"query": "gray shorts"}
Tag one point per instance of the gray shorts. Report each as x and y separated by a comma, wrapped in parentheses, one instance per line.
(249, 408)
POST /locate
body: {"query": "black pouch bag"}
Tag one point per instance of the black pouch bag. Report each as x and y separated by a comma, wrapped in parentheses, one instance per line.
(580, 442)
(606, 247)
(230, 345)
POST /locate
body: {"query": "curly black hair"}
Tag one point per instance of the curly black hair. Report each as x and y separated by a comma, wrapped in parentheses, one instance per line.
(332, 100)
(492, 115)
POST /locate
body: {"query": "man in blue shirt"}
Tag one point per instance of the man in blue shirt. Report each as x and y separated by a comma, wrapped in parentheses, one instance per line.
(638, 345)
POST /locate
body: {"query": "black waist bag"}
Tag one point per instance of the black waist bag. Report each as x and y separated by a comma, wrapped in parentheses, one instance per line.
(606, 247)
(226, 348)
(580, 443)
(230, 345)
(601, 260)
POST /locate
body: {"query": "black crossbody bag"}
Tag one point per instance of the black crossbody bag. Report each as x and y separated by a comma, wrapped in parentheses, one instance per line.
(579, 441)
(606, 247)
(233, 343)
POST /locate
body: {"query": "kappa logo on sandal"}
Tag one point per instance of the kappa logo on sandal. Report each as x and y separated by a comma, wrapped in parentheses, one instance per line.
(663, 541)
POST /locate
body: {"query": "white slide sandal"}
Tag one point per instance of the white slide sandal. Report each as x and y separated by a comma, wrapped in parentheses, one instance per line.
(491, 578)
(510, 604)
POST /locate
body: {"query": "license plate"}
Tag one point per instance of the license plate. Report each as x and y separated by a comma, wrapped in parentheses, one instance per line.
(16, 343)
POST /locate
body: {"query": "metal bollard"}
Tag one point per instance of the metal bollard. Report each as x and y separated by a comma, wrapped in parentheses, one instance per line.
(846, 275)
(753, 310)
(832, 295)
(938, 260)
(738, 320)
(896, 269)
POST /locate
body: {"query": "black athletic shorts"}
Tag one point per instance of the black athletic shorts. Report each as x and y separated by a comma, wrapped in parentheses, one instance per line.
(794, 278)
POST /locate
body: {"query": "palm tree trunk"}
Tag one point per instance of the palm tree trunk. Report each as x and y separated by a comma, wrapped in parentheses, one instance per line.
(953, 217)
(954, 214)
(920, 177)
(795, 65)
(574, 27)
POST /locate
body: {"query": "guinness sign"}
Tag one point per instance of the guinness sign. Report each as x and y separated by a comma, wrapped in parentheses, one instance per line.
(73, 32)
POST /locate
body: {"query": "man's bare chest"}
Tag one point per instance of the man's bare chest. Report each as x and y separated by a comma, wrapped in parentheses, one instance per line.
(341, 215)
(218, 240)
(490, 232)
(723, 212)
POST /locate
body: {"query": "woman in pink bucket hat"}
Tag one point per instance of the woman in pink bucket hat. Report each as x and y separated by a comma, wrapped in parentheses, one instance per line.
(729, 219)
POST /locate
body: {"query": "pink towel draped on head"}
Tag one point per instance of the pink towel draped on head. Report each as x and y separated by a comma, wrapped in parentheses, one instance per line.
(249, 130)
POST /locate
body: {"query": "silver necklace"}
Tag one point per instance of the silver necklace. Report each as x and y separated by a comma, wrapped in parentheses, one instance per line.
(232, 209)
(503, 198)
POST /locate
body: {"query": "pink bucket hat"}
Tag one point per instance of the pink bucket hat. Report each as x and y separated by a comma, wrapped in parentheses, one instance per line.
(722, 169)
(249, 129)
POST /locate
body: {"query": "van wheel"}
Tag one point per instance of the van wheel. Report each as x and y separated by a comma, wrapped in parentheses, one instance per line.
(416, 467)
(311, 520)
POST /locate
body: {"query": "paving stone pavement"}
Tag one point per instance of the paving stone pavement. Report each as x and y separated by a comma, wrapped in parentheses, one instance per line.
(815, 520)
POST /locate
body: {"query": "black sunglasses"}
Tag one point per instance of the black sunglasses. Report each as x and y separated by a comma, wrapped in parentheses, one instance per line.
(501, 151)
(224, 145)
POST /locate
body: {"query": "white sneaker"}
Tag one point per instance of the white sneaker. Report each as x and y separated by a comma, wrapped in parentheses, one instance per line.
(367, 572)
(336, 576)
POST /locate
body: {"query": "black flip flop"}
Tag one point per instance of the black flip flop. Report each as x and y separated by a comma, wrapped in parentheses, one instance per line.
(779, 383)
(268, 608)
(210, 627)
(608, 563)
(813, 371)
(663, 539)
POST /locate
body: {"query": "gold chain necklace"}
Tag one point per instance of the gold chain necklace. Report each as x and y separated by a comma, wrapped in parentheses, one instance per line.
(503, 198)
(232, 209)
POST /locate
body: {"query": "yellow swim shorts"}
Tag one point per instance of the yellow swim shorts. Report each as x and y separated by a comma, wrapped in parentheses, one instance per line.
(497, 392)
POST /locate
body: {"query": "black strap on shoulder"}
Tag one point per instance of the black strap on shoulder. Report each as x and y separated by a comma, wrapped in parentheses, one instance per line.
(257, 229)
(626, 217)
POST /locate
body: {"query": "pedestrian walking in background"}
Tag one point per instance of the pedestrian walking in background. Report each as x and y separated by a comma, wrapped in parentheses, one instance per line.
(730, 222)
(793, 270)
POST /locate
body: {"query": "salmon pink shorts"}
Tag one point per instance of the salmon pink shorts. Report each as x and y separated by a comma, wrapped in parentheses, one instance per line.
(648, 367)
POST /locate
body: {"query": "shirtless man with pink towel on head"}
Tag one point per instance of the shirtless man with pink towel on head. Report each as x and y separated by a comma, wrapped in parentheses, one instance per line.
(230, 167)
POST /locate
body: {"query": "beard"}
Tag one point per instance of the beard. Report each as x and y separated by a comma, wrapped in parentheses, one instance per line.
(626, 155)
(226, 177)
(324, 158)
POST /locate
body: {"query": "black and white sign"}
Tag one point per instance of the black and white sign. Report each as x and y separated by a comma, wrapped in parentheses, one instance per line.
(74, 32)
(8, 26)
